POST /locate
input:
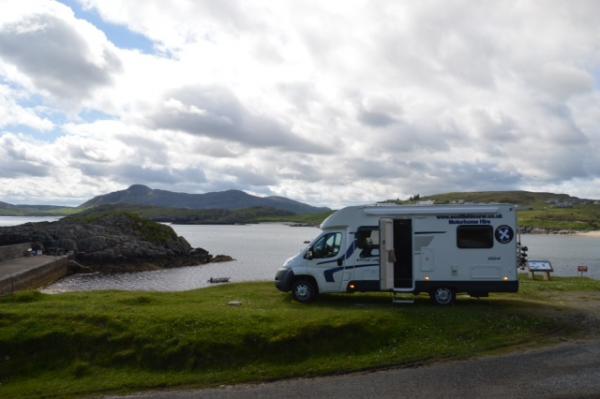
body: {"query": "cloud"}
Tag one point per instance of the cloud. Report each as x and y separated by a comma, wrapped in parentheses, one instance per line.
(215, 112)
(13, 114)
(328, 102)
(128, 173)
(61, 56)
(19, 157)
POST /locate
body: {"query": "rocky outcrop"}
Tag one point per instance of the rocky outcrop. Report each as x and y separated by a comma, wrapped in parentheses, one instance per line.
(116, 242)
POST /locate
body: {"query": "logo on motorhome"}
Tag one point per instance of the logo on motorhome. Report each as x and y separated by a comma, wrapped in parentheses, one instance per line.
(504, 234)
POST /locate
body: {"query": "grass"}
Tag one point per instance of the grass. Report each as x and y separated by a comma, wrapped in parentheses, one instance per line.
(83, 343)
(534, 289)
(579, 218)
(128, 222)
(41, 211)
(201, 216)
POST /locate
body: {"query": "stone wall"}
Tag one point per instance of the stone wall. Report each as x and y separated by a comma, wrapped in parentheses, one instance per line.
(13, 251)
(54, 269)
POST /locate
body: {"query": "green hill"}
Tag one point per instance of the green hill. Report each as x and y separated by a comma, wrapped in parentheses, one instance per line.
(523, 198)
(539, 211)
(203, 216)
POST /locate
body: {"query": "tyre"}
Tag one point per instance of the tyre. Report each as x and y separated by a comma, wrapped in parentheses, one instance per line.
(443, 296)
(304, 290)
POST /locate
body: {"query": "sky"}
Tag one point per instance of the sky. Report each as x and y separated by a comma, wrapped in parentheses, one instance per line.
(328, 102)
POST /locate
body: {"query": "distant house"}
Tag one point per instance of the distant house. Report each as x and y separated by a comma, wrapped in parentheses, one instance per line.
(556, 203)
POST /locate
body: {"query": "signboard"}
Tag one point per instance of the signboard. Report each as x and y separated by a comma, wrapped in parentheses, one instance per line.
(582, 268)
(539, 266)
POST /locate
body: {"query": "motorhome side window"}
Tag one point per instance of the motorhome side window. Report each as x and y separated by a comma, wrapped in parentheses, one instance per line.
(367, 240)
(474, 236)
(327, 246)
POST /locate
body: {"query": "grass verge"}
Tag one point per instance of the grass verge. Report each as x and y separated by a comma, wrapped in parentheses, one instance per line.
(82, 343)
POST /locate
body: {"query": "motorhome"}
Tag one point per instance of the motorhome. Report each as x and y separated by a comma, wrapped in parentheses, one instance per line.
(441, 250)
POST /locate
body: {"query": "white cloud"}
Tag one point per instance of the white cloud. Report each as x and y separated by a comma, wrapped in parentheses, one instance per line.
(13, 114)
(329, 102)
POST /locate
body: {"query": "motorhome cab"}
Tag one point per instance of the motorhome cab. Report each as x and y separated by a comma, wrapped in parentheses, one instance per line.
(438, 249)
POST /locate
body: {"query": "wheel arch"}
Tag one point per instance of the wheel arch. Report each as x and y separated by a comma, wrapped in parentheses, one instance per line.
(307, 277)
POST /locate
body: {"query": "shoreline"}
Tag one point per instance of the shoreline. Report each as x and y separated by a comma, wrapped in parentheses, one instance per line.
(568, 233)
(591, 233)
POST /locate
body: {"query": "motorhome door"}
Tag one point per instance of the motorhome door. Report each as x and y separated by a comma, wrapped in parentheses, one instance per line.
(403, 266)
(387, 255)
(395, 254)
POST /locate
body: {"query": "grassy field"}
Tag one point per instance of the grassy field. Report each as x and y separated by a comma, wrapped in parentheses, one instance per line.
(579, 218)
(82, 343)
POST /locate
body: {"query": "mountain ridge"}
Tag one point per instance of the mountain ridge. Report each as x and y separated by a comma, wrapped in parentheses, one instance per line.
(138, 194)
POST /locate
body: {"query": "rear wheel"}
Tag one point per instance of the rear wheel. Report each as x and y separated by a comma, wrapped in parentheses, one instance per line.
(304, 290)
(443, 296)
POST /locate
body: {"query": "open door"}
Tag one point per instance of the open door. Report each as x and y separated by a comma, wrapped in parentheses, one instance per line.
(395, 249)
(403, 264)
(387, 255)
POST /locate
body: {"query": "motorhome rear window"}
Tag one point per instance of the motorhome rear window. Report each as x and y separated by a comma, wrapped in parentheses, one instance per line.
(468, 236)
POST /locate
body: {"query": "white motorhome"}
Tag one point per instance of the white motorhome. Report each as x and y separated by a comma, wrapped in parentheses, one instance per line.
(438, 249)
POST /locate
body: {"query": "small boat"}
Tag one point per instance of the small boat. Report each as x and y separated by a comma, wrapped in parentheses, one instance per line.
(215, 280)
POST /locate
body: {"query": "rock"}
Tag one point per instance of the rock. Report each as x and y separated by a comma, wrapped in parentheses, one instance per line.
(111, 242)
(67, 244)
(234, 303)
(221, 258)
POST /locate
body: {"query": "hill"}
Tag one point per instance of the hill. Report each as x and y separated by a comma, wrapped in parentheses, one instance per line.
(4, 205)
(229, 199)
(185, 216)
(538, 211)
(523, 198)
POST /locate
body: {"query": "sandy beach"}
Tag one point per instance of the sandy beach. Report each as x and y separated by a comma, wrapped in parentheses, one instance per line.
(593, 233)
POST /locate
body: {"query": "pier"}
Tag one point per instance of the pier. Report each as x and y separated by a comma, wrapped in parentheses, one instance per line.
(19, 272)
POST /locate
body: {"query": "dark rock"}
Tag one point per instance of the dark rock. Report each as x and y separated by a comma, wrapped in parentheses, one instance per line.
(110, 242)
(222, 258)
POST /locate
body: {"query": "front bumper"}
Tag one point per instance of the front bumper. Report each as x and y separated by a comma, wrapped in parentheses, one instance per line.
(283, 279)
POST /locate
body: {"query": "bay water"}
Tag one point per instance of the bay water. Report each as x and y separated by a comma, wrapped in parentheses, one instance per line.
(259, 249)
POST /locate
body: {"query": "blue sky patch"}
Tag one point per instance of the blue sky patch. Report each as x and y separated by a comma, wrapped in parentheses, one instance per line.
(119, 35)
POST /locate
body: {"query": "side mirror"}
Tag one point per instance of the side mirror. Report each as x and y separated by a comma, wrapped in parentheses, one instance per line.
(308, 254)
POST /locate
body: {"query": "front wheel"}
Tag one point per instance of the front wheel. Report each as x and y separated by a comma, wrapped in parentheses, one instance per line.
(443, 296)
(304, 290)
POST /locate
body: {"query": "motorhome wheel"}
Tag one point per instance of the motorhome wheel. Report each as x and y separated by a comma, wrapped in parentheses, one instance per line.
(304, 290)
(443, 296)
